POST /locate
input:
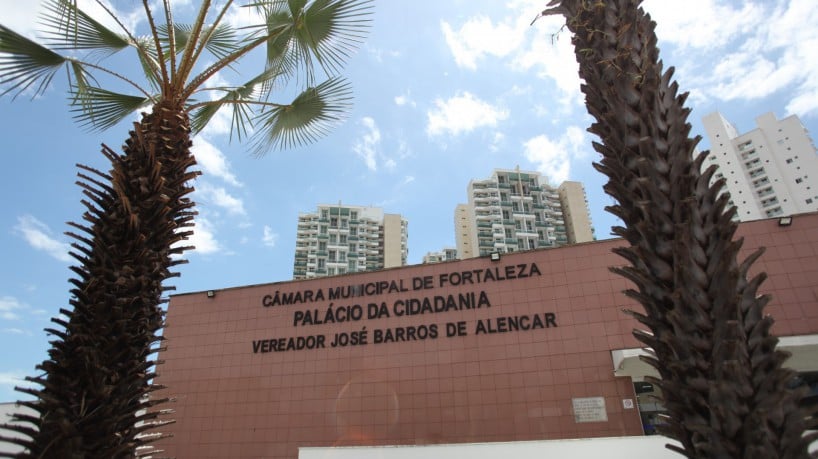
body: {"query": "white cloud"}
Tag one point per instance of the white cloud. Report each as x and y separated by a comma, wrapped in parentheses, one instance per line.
(218, 196)
(39, 236)
(480, 36)
(462, 113)
(269, 238)
(12, 378)
(367, 146)
(16, 331)
(22, 17)
(552, 58)
(213, 161)
(701, 24)
(496, 141)
(204, 238)
(10, 308)
(744, 52)
(379, 54)
(404, 99)
(553, 158)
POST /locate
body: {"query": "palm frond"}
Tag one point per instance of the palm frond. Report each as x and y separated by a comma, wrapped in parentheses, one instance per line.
(24, 62)
(324, 31)
(310, 116)
(333, 29)
(68, 27)
(221, 41)
(148, 60)
(238, 98)
(99, 108)
(283, 54)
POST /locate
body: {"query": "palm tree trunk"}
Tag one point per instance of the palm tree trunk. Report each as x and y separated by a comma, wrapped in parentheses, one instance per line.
(97, 380)
(722, 379)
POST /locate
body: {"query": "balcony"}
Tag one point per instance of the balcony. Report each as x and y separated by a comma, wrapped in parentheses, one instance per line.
(511, 240)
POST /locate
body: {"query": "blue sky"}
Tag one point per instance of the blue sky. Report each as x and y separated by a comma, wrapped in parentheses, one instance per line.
(445, 91)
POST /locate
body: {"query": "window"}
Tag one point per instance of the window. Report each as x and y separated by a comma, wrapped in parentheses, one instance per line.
(322, 246)
(324, 213)
(342, 257)
(333, 238)
(333, 222)
(332, 255)
(809, 200)
(353, 215)
(344, 223)
(343, 239)
(353, 231)
(331, 271)
(798, 180)
(789, 160)
(323, 229)
(321, 263)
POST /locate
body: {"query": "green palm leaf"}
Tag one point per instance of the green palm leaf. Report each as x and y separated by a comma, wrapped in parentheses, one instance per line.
(239, 98)
(99, 108)
(310, 115)
(221, 41)
(332, 29)
(68, 27)
(323, 30)
(24, 63)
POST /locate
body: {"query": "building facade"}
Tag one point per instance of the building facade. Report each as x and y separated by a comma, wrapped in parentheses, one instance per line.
(532, 345)
(517, 210)
(340, 239)
(769, 171)
(447, 254)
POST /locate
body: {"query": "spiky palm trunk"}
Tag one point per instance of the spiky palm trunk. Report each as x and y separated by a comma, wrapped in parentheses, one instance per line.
(98, 375)
(722, 379)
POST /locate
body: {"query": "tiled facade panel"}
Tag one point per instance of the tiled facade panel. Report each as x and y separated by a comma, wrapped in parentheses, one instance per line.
(516, 385)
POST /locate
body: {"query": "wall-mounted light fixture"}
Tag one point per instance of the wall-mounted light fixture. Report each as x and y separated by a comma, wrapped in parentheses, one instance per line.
(495, 256)
(785, 221)
(211, 293)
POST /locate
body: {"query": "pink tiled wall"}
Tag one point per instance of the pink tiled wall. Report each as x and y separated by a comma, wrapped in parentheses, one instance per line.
(232, 402)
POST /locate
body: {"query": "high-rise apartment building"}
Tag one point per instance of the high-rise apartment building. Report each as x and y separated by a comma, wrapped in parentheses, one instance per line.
(339, 239)
(517, 210)
(771, 170)
(447, 254)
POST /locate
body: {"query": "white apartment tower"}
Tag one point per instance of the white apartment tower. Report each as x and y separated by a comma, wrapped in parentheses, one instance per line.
(340, 239)
(517, 210)
(447, 254)
(770, 171)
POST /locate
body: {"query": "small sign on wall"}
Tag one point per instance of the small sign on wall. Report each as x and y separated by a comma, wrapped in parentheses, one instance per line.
(589, 409)
(627, 403)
